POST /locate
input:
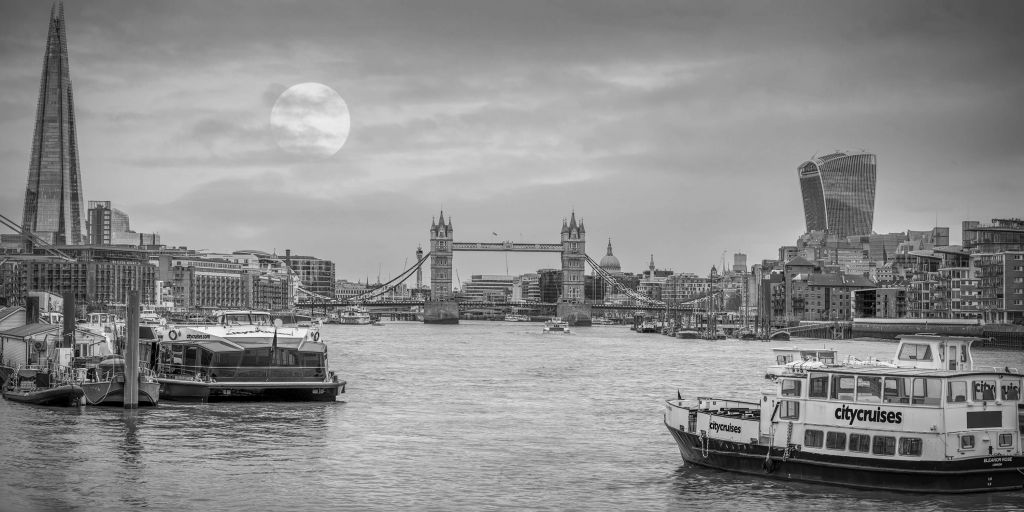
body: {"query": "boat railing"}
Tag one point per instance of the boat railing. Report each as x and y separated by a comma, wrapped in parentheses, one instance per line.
(246, 373)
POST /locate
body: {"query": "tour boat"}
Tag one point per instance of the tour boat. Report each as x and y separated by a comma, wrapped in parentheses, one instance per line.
(354, 316)
(243, 355)
(513, 317)
(786, 355)
(556, 325)
(928, 421)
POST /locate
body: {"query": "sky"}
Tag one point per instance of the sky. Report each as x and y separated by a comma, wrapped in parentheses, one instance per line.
(672, 128)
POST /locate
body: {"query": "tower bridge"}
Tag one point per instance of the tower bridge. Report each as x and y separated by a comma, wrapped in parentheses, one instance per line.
(442, 308)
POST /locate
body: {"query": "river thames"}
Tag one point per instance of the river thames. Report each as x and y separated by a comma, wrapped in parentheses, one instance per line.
(478, 416)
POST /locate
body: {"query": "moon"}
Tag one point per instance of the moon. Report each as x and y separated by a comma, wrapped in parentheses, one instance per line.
(310, 119)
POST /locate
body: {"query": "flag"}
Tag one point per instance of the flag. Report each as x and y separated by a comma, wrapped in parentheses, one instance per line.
(679, 395)
(493, 233)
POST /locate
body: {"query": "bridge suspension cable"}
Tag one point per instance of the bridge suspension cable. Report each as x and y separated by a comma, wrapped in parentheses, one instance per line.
(46, 246)
(633, 294)
(390, 285)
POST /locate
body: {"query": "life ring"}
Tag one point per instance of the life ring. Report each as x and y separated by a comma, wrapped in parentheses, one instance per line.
(38, 345)
(172, 334)
(316, 336)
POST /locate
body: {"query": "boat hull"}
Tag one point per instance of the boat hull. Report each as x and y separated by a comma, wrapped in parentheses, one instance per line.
(996, 473)
(112, 393)
(67, 395)
(198, 391)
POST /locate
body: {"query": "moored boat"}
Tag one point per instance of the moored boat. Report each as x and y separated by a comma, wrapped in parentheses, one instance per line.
(244, 356)
(42, 386)
(926, 422)
(354, 316)
(104, 383)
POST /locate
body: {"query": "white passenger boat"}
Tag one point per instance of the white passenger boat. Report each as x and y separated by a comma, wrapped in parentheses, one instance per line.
(928, 421)
(515, 317)
(244, 355)
(557, 325)
(354, 316)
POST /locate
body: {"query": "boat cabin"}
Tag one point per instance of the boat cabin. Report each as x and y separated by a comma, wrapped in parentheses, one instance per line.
(239, 317)
(791, 354)
(225, 361)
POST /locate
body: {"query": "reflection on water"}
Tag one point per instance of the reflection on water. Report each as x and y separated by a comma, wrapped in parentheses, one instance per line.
(468, 417)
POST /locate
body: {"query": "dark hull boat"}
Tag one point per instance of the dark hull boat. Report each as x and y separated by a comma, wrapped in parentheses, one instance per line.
(32, 386)
(243, 357)
(111, 392)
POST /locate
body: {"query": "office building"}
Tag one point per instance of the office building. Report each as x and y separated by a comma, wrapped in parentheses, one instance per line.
(838, 192)
(106, 225)
(54, 210)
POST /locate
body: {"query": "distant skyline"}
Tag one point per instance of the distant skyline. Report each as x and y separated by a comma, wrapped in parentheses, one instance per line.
(673, 128)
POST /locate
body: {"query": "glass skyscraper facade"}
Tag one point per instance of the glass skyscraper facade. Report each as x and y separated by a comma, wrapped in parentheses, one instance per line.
(839, 193)
(54, 210)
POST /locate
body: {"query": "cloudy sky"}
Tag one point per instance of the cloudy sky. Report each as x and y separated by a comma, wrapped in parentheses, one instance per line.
(673, 128)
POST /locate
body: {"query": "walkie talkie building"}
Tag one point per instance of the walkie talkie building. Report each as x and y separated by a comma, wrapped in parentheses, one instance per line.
(839, 193)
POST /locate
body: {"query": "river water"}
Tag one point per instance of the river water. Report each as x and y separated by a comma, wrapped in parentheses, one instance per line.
(478, 416)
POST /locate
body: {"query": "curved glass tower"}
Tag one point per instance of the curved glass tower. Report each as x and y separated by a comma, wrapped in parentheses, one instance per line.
(839, 193)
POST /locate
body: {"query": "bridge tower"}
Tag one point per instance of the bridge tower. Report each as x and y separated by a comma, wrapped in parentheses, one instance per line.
(419, 271)
(441, 258)
(574, 257)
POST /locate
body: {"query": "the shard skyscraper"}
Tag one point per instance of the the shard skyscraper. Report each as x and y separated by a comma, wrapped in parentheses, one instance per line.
(54, 209)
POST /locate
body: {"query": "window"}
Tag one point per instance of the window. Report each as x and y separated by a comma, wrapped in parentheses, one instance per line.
(790, 387)
(860, 443)
(983, 390)
(817, 385)
(894, 390)
(789, 410)
(835, 441)
(910, 446)
(869, 389)
(1005, 440)
(957, 391)
(915, 352)
(884, 445)
(1010, 390)
(842, 387)
(967, 442)
(813, 438)
(927, 391)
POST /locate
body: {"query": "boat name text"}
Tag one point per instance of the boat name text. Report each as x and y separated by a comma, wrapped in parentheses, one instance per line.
(197, 336)
(876, 415)
(719, 427)
(999, 459)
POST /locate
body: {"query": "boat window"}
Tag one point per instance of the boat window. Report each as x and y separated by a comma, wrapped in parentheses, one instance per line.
(884, 445)
(227, 359)
(915, 352)
(827, 357)
(869, 389)
(895, 390)
(790, 387)
(927, 391)
(983, 390)
(1010, 390)
(860, 443)
(957, 391)
(256, 357)
(910, 446)
(312, 360)
(191, 357)
(790, 410)
(286, 357)
(817, 385)
(835, 441)
(813, 438)
(842, 387)
(783, 359)
(1005, 440)
(967, 442)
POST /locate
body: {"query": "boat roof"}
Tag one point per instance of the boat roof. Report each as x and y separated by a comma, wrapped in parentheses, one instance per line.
(891, 371)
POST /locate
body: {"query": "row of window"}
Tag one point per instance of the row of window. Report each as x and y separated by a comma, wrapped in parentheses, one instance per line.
(900, 390)
(885, 445)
